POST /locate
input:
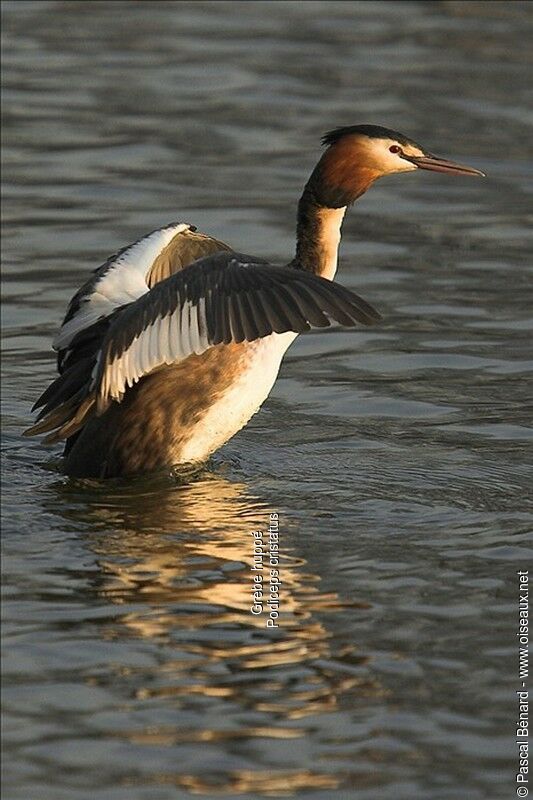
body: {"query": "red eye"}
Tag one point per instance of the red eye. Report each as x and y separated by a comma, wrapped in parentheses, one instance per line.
(395, 149)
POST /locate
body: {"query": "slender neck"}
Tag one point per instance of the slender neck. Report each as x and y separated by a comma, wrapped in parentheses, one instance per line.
(318, 236)
(321, 211)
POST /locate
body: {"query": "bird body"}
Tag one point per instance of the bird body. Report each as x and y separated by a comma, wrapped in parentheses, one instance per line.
(255, 369)
(182, 413)
(175, 342)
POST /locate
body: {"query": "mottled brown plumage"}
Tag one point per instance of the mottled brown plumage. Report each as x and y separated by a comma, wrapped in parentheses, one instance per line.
(157, 416)
(185, 247)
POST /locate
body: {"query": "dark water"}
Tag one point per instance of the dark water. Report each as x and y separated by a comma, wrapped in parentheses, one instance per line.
(398, 459)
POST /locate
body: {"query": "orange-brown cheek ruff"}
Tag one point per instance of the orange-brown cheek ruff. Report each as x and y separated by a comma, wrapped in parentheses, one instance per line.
(348, 169)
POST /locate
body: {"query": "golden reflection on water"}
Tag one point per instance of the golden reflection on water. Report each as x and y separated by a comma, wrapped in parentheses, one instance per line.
(179, 558)
(267, 784)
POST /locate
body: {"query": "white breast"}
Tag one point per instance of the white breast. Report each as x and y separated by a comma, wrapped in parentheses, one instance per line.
(241, 401)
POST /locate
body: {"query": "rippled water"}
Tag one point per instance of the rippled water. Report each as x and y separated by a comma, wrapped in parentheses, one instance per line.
(398, 459)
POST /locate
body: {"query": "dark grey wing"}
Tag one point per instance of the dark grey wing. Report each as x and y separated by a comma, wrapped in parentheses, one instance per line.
(228, 297)
(123, 278)
(224, 298)
(128, 275)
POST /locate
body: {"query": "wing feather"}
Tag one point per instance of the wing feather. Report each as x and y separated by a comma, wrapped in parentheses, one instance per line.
(132, 272)
(221, 299)
(264, 328)
(237, 329)
(246, 317)
(226, 297)
(307, 307)
(290, 309)
(194, 331)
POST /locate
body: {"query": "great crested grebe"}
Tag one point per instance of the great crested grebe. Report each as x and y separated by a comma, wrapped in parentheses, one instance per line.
(175, 342)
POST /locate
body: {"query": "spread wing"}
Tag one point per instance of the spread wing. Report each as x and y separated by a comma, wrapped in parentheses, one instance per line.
(223, 298)
(123, 278)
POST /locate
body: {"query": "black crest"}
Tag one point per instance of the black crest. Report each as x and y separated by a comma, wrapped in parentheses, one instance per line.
(373, 131)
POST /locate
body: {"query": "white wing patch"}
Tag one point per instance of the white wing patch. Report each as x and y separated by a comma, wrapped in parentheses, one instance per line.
(123, 282)
(167, 340)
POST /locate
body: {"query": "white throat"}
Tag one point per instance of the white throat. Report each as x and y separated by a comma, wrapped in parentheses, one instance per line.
(329, 237)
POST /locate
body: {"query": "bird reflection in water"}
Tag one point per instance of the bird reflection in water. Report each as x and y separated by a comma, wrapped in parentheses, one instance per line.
(178, 560)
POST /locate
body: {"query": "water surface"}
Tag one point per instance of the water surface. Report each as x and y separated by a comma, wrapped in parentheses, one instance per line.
(397, 458)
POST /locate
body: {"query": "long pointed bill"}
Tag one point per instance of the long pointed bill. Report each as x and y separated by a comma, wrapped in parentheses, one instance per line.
(442, 165)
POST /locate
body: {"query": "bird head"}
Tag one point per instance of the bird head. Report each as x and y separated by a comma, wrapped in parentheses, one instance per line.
(358, 155)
